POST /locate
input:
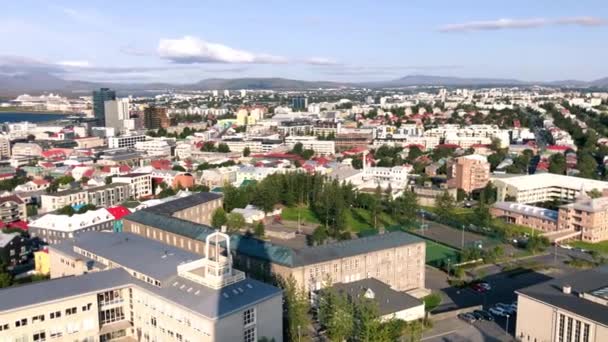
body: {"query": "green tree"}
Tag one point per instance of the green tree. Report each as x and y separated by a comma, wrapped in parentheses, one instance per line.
(295, 310)
(557, 164)
(445, 205)
(339, 318)
(66, 210)
(234, 222)
(414, 153)
(223, 148)
(319, 236)
(246, 152)
(587, 166)
(178, 168)
(219, 218)
(5, 279)
(259, 230)
(368, 327)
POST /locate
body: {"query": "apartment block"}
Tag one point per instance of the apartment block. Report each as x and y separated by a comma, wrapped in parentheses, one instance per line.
(125, 141)
(573, 308)
(53, 229)
(321, 147)
(588, 216)
(470, 173)
(542, 219)
(123, 287)
(12, 208)
(140, 183)
(102, 196)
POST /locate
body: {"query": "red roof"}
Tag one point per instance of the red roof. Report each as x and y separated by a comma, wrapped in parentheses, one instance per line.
(18, 224)
(40, 181)
(558, 148)
(48, 165)
(516, 124)
(161, 164)
(119, 212)
(355, 150)
(480, 145)
(88, 173)
(447, 146)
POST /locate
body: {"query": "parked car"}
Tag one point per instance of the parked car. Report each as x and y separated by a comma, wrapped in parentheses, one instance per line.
(486, 316)
(565, 246)
(467, 317)
(496, 311)
(508, 309)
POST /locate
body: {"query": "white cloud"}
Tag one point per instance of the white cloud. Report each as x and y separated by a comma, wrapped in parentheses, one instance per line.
(502, 24)
(320, 61)
(188, 50)
(76, 64)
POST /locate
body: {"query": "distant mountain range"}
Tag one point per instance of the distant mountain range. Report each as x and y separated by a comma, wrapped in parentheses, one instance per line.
(39, 82)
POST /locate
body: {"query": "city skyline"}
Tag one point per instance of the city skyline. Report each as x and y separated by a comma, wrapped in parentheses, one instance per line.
(348, 42)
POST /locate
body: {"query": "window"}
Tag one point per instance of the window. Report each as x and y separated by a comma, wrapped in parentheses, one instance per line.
(70, 311)
(21, 323)
(569, 331)
(111, 315)
(39, 336)
(586, 333)
(55, 314)
(249, 317)
(87, 307)
(55, 333)
(561, 328)
(3, 327)
(249, 335)
(39, 318)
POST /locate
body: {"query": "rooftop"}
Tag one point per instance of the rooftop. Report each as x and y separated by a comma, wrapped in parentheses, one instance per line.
(545, 180)
(583, 284)
(527, 210)
(66, 223)
(5, 239)
(389, 301)
(170, 207)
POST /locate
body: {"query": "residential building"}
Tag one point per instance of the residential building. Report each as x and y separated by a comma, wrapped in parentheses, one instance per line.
(42, 262)
(141, 183)
(26, 150)
(89, 142)
(571, 308)
(544, 187)
(470, 173)
(12, 208)
(125, 141)
(99, 99)
(427, 193)
(103, 196)
(299, 103)
(156, 117)
(116, 112)
(139, 289)
(345, 141)
(545, 220)
(586, 215)
(5, 147)
(321, 147)
(154, 147)
(14, 250)
(53, 229)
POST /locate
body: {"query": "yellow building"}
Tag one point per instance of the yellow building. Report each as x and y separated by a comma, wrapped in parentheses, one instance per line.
(43, 262)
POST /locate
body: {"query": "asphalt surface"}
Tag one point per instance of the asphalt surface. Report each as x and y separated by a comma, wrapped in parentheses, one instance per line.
(456, 330)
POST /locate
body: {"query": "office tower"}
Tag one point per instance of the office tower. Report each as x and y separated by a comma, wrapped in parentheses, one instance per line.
(99, 99)
(116, 112)
(156, 117)
(299, 103)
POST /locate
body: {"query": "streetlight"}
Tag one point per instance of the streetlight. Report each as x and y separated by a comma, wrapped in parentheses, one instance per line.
(462, 238)
(507, 325)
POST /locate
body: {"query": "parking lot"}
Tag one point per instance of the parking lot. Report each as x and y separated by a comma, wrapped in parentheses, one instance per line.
(456, 330)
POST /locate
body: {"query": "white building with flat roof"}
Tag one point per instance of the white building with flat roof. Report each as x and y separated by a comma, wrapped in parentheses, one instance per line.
(542, 187)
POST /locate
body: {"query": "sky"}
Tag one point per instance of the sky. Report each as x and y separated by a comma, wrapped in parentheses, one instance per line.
(185, 41)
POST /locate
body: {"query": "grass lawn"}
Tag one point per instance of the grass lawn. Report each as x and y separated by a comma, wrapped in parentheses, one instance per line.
(601, 247)
(431, 301)
(306, 215)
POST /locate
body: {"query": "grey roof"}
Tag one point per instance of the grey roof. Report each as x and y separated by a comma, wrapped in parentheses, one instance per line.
(389, 301)
(584, 282)
(5, 239)
(147, 256)
(168, 208)
(65, 192)
(528, 210)
(170, 224)
(198, 298)
(55, 289)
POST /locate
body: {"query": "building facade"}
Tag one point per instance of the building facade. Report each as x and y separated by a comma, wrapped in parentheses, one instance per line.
(99, 99)
(156, 117)
(470, 173)
(183, 298)
(125, 141)
(140, 183)
(12, 208)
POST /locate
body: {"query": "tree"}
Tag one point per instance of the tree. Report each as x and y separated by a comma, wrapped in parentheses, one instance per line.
(178, 168)
(340, 324)
(482, 216)
(298, 148)
(66, 210)
(557, 164)
(369, 326)
(445, 205)
(246, 152)
(595, 193)
(234, 222)
(223, 148)
(108, 180)
(5, 278)
(307, 154)
(319, 236)
(295, 310)
(587, 166)
(406, 207)
(414, 153)
(259, 229)
(219, 218)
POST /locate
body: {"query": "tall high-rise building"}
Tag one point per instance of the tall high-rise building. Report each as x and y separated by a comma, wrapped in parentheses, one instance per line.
(299, 103)
(99, 99)
(116, 112)
(156, 117)
(470, 173)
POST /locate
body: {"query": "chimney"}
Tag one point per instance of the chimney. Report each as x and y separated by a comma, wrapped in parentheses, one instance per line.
(567, 289)
(223, 229)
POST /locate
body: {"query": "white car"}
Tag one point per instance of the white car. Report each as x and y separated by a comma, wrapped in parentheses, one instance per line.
(565, 246)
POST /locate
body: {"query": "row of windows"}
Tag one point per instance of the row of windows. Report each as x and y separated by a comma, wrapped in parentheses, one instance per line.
(571, 330)
(41, 318)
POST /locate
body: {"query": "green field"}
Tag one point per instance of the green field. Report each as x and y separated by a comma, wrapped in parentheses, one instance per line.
(436, 252)
(601, 247)
(306, 215)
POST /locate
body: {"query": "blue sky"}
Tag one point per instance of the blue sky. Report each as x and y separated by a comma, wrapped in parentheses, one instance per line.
(185, 41)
